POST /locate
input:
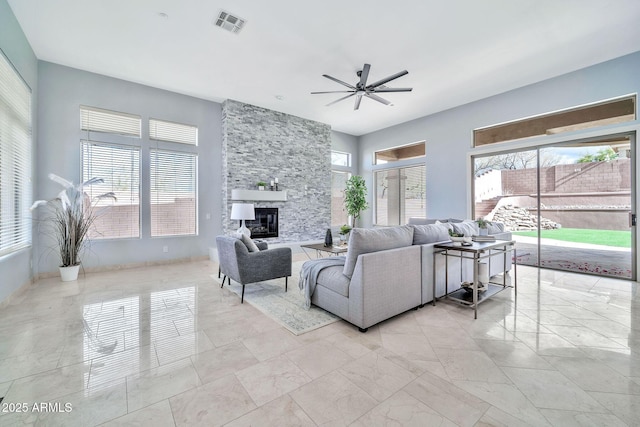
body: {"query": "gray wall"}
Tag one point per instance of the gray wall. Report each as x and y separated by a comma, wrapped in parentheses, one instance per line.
(260, 145)
(15, 269)
(449, 134)
(63, 91)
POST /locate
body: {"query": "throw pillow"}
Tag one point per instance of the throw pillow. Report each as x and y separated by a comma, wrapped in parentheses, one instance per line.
(430, 233)
(467, 228)
(251, 246)
(364, 241)
(495, 227)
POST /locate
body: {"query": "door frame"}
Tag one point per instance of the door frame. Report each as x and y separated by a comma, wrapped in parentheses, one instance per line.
(635, 183)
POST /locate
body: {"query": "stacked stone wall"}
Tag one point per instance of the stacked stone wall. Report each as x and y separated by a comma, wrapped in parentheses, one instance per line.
(261, 144)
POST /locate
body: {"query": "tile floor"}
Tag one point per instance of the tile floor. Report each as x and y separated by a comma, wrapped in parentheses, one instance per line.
(166, 346)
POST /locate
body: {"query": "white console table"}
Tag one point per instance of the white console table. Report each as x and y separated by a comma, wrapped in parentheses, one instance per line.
(476, 252)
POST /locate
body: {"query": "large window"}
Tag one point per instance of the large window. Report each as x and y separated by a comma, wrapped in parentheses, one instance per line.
(106, 121)
(400, 194)
(162, 130)
(396, 154)
(339, 158)
(173, 193)
(119, 167)
(339, 215)
(15, 160)
(603, 113)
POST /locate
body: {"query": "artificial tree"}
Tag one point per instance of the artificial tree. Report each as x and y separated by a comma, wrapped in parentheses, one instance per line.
(355, 197)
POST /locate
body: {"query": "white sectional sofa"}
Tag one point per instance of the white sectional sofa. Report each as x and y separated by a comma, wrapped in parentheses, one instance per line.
(381, 277)
(388, 271)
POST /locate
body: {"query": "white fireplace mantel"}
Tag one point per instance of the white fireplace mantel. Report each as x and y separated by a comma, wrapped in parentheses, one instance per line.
(255, 195)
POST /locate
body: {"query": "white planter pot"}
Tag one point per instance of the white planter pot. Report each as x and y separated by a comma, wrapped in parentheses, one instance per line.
(261, 187)
(484, 232)
(69, 274)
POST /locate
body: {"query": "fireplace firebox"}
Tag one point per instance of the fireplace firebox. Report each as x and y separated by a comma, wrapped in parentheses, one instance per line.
(265, 224)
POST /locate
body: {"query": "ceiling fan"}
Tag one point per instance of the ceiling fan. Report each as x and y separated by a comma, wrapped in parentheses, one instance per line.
(363, 89)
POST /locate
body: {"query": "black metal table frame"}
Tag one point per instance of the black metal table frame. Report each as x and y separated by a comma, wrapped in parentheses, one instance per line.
(320, 248)
(478, 252)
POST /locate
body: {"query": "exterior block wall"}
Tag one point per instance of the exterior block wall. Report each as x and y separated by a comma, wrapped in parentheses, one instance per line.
(593, 177)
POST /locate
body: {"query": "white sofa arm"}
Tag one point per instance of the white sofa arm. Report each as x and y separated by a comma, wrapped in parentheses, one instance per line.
(384, 284)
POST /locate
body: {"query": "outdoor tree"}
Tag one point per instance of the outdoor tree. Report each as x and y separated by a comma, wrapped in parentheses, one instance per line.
(355, 197)
(517, 160)
(603, 155)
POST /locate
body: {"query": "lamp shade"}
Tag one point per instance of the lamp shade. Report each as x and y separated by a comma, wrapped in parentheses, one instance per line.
(243, 211)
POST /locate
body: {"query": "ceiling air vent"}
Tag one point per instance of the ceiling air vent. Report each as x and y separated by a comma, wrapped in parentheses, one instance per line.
(229, 22)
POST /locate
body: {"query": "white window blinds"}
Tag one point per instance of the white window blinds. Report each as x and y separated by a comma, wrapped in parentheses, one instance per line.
(414, 187)
(15, 160)
(173, 193)
(99, 120)
(174, 132)
(119, 167)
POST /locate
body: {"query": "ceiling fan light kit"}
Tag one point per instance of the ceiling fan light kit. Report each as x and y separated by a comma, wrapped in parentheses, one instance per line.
(363, 89)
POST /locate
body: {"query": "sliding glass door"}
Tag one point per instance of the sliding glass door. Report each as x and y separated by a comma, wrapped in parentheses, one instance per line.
(568, 205)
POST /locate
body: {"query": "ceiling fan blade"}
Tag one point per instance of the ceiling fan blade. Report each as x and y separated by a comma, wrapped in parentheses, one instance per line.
(339, 81)
(390, 89)
(364, 74)
(357, 104)
(338, 100)
(387, 79)
(379, 99)
(333, 91)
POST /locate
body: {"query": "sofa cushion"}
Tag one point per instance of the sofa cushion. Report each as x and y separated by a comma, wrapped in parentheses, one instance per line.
(333, 278)
(251, 246)
(495, 227)
(364, 241)
(468, 228)
(431, 233)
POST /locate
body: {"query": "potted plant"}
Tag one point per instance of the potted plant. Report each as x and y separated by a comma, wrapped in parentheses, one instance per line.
(71, 216)
(483, 225)
(355, 197)
(261, 185)
(456, 238)
(344, 232)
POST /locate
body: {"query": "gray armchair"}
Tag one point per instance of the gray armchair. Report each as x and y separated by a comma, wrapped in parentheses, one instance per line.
(237, 263)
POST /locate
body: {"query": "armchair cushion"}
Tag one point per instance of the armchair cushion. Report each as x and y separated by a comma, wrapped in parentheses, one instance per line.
(251, 246)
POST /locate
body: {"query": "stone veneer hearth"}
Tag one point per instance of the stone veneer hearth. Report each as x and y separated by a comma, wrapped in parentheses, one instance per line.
(259, 145)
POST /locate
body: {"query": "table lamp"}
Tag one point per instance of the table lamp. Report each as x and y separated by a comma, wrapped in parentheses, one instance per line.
(243, 211)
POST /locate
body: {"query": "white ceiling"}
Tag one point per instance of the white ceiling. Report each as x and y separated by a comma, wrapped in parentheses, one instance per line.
(455, 51)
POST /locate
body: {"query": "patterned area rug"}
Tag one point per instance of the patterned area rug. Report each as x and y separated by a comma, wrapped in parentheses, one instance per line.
(286, 308)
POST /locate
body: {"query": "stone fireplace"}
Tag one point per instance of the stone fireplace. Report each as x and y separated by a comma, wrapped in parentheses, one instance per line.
(266, 223)
(260, 145)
